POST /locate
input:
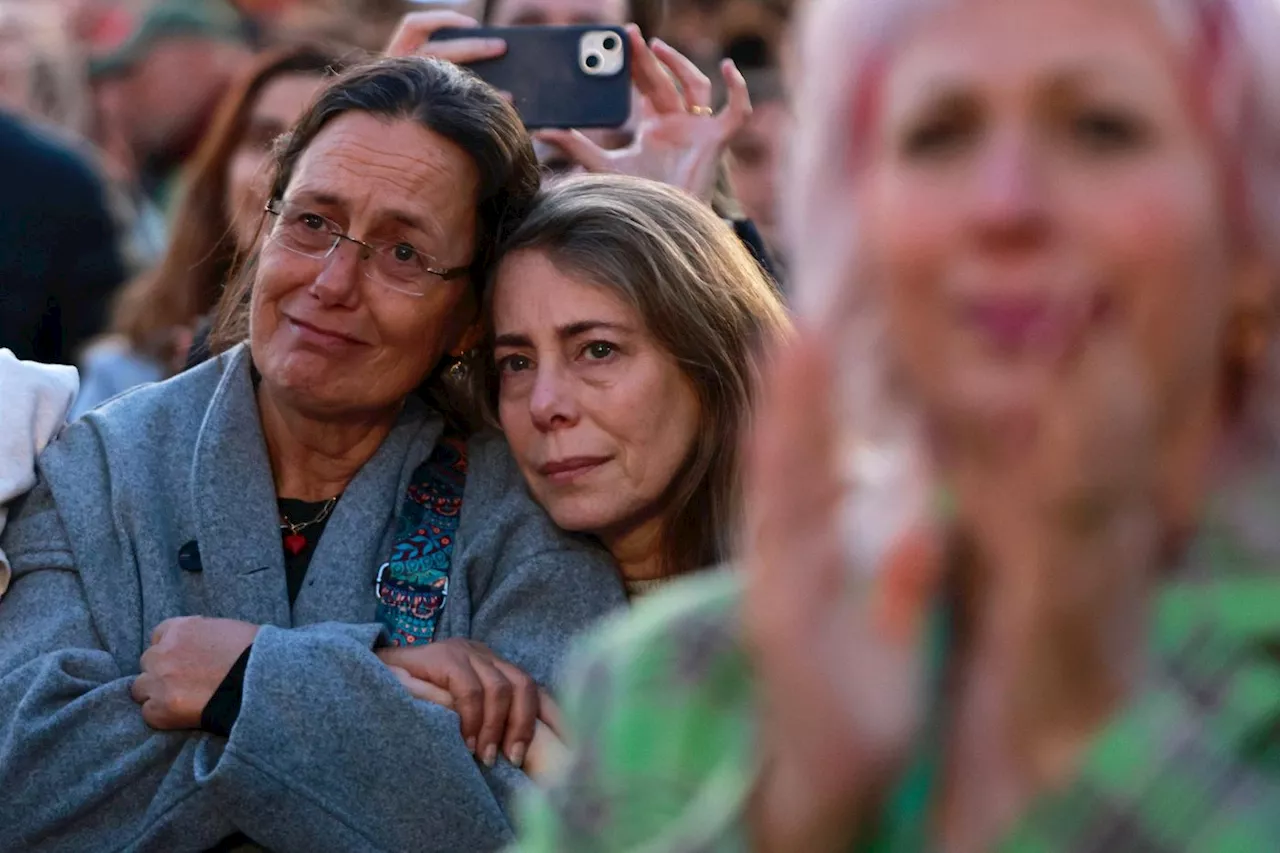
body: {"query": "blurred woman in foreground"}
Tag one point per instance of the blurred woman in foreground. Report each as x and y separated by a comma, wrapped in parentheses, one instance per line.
(1031, 234)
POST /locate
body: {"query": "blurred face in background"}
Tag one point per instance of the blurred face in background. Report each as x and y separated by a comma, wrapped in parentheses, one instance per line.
(279, 105)
(756, 155)
(38, 61)
(510, 13)
(168, 97)
(1038, 192)
(16, 62)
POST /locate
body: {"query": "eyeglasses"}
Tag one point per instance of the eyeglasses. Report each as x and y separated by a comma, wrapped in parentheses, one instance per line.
(397, 266)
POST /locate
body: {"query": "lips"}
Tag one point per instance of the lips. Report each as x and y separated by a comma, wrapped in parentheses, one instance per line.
(322, 335)
(1032, 322)
(568, 470)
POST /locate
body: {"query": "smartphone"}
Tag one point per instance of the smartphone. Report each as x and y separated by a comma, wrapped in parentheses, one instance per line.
(559, 77)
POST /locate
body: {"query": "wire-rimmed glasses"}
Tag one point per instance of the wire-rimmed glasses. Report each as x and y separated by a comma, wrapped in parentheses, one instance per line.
(398, 266)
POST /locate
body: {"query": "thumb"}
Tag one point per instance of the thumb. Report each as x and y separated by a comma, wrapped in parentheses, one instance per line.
(580, 149)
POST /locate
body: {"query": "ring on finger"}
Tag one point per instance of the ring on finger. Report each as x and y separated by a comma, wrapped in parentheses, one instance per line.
(702, 111)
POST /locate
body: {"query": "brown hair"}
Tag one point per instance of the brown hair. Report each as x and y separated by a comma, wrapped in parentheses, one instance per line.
(702, 297)
(442, 98)
(187, 282)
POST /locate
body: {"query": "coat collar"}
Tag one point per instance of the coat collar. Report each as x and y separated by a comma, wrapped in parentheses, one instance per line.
(233, 500)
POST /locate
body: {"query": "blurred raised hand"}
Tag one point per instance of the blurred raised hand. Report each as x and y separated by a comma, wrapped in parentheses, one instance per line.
(841, 658)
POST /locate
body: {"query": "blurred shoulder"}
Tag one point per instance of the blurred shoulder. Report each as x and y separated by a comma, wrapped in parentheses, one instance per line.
(32, 153)
(692, 623)
(664, 692)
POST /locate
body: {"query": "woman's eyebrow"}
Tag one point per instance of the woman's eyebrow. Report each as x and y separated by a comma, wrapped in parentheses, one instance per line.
(514, 339)
(582, 327)
(564, 333)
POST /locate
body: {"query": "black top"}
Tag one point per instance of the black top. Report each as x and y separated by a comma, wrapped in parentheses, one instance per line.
(59, 253)
(295, 565)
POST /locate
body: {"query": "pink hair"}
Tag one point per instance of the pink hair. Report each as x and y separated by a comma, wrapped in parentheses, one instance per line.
(1232, 50)
(1233, 70)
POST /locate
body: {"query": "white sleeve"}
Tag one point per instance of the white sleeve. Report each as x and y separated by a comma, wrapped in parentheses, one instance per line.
(36, 399)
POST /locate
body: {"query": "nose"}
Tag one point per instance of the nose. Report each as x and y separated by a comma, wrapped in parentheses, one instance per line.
(338, 283)
(1010, 200)
(551, 404)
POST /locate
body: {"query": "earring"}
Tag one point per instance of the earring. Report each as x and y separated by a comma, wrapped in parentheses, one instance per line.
(459, 370)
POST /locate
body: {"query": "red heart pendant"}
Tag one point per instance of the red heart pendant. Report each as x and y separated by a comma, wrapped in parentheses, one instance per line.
(294, 543)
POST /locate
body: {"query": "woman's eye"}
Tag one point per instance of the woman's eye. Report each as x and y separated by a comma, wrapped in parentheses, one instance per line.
(404, 253)
(599, 350)
(1104, 130)
(514, 364)
(937, 137)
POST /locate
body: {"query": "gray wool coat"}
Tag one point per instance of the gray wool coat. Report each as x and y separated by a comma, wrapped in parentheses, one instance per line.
(329, 751)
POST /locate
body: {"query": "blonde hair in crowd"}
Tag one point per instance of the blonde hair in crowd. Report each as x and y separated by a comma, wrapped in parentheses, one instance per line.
(1232, 50)
(846, 42)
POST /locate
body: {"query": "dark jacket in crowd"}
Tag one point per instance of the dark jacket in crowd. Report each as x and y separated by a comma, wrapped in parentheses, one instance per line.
(59, 253)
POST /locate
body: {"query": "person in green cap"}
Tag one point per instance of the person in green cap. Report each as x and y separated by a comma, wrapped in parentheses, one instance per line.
(157, 90)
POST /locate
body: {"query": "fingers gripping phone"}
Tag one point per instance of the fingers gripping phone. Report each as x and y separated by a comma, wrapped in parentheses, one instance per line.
(559, 77)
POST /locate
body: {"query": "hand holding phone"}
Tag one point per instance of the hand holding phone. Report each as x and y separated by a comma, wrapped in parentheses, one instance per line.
(679, 139)
(559, 77)
(417, 29)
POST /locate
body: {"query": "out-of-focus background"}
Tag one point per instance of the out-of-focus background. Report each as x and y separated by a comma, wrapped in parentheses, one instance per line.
(166, 100)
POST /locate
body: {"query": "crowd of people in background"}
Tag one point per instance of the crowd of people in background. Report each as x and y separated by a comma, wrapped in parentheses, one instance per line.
(871, 444)
(138, 99)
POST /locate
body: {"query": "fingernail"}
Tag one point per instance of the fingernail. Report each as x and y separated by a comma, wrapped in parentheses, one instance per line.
(495, 44)
(517, 754)
(490, 754)
(471, 745)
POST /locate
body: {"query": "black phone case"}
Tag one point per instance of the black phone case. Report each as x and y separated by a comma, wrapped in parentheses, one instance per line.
(540, 70)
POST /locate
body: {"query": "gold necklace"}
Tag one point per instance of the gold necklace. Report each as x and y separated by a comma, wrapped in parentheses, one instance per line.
(294, 541)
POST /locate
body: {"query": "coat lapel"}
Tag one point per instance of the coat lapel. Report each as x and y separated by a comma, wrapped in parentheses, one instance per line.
(234, 504)
(357, 539)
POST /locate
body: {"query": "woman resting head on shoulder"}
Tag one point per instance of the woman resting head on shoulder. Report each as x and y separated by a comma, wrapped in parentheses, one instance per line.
(1035, 254)
(247, 566)
(627, 323)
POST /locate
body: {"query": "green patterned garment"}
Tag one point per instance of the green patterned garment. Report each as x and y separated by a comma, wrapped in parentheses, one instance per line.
(659, 710)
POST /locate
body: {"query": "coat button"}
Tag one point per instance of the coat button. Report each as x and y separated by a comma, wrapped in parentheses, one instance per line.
(189, 558)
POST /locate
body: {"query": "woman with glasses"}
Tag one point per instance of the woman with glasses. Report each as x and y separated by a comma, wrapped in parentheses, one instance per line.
(197, 648)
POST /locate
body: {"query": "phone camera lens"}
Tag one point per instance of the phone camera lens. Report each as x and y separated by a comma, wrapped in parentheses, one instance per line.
(593, 60)
(610, 43)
